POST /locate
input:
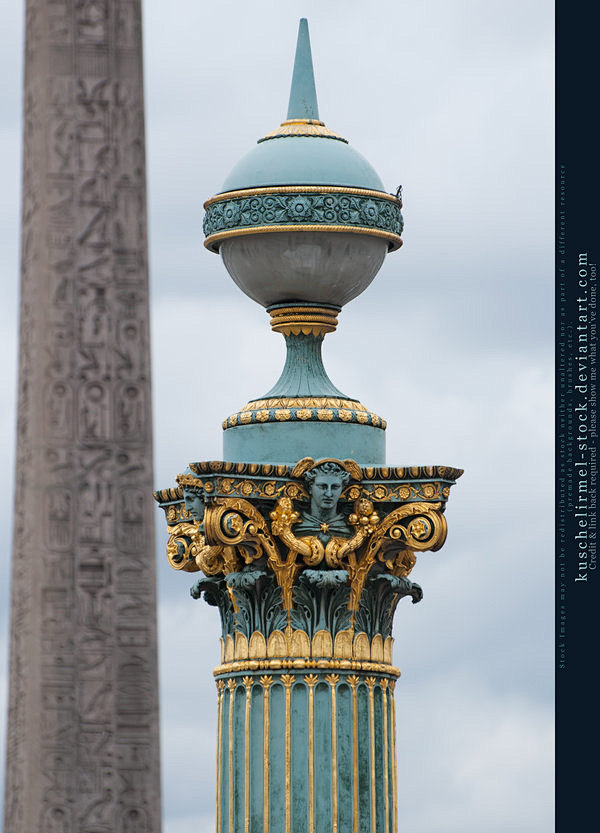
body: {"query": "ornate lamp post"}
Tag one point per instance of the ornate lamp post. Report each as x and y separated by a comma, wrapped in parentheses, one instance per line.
(304, 537)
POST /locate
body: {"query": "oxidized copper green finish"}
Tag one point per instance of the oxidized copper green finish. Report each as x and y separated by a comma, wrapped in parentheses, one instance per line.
(304, 539)
(302, 208)
(306, 721)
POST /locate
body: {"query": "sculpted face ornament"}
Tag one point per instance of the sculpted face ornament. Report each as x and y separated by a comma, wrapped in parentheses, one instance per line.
(325, 492)
(325, 484)
(194, 503)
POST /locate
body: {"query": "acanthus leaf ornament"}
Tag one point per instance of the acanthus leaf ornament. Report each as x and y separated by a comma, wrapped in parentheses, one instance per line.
(216, 593)
(321, 602)
(258, 601)
(237, 526)
(378, 602)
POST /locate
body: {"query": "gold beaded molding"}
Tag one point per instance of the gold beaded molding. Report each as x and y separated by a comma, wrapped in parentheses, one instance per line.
(294, 410)
(301, 663)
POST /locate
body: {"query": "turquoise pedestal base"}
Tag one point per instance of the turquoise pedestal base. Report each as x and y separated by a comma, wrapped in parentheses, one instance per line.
(287, 442)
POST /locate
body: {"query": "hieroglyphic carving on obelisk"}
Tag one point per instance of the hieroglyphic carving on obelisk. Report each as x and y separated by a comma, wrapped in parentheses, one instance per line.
(82, 747)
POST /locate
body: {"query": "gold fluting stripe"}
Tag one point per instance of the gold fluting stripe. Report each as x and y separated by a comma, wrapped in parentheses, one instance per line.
(371, 683)
(248, 683)
(310, 681)
(386, 768)
(212, 240)
(353, 682)
(333, 679)
(231, 687)
(266, 683)
(299, 189)
(287, 680)
(220, 688)
(394, 761)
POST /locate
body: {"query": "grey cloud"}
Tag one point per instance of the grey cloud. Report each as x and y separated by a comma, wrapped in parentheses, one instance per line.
(451, 343)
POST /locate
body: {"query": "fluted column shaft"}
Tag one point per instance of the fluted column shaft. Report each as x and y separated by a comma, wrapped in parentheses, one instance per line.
(304, 753)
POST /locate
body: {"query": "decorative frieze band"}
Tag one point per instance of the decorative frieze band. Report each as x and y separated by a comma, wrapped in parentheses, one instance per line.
(297, 208)
(343, 414)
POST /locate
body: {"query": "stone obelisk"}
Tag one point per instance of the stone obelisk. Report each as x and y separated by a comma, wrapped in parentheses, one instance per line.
(82, 745)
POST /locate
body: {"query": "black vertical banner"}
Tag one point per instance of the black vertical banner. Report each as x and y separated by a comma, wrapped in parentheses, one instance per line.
(577, 574)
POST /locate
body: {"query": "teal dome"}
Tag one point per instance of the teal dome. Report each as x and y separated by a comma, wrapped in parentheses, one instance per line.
(299, 179)
(303, 160)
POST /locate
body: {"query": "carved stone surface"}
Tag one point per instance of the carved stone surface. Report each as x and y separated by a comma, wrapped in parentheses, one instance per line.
(82, 745)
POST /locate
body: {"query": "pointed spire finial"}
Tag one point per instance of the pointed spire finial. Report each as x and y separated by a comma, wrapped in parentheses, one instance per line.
(303, 95)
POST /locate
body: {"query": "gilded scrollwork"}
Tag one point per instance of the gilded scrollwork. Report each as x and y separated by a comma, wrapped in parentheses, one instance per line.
(183, 545)
(237, 526)
(187, 550)
(319, 527)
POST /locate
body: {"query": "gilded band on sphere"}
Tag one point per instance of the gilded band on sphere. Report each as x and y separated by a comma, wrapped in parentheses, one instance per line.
(213, 239)
(300, 189)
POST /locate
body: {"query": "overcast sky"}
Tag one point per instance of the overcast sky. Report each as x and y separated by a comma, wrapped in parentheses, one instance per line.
(452, 343)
